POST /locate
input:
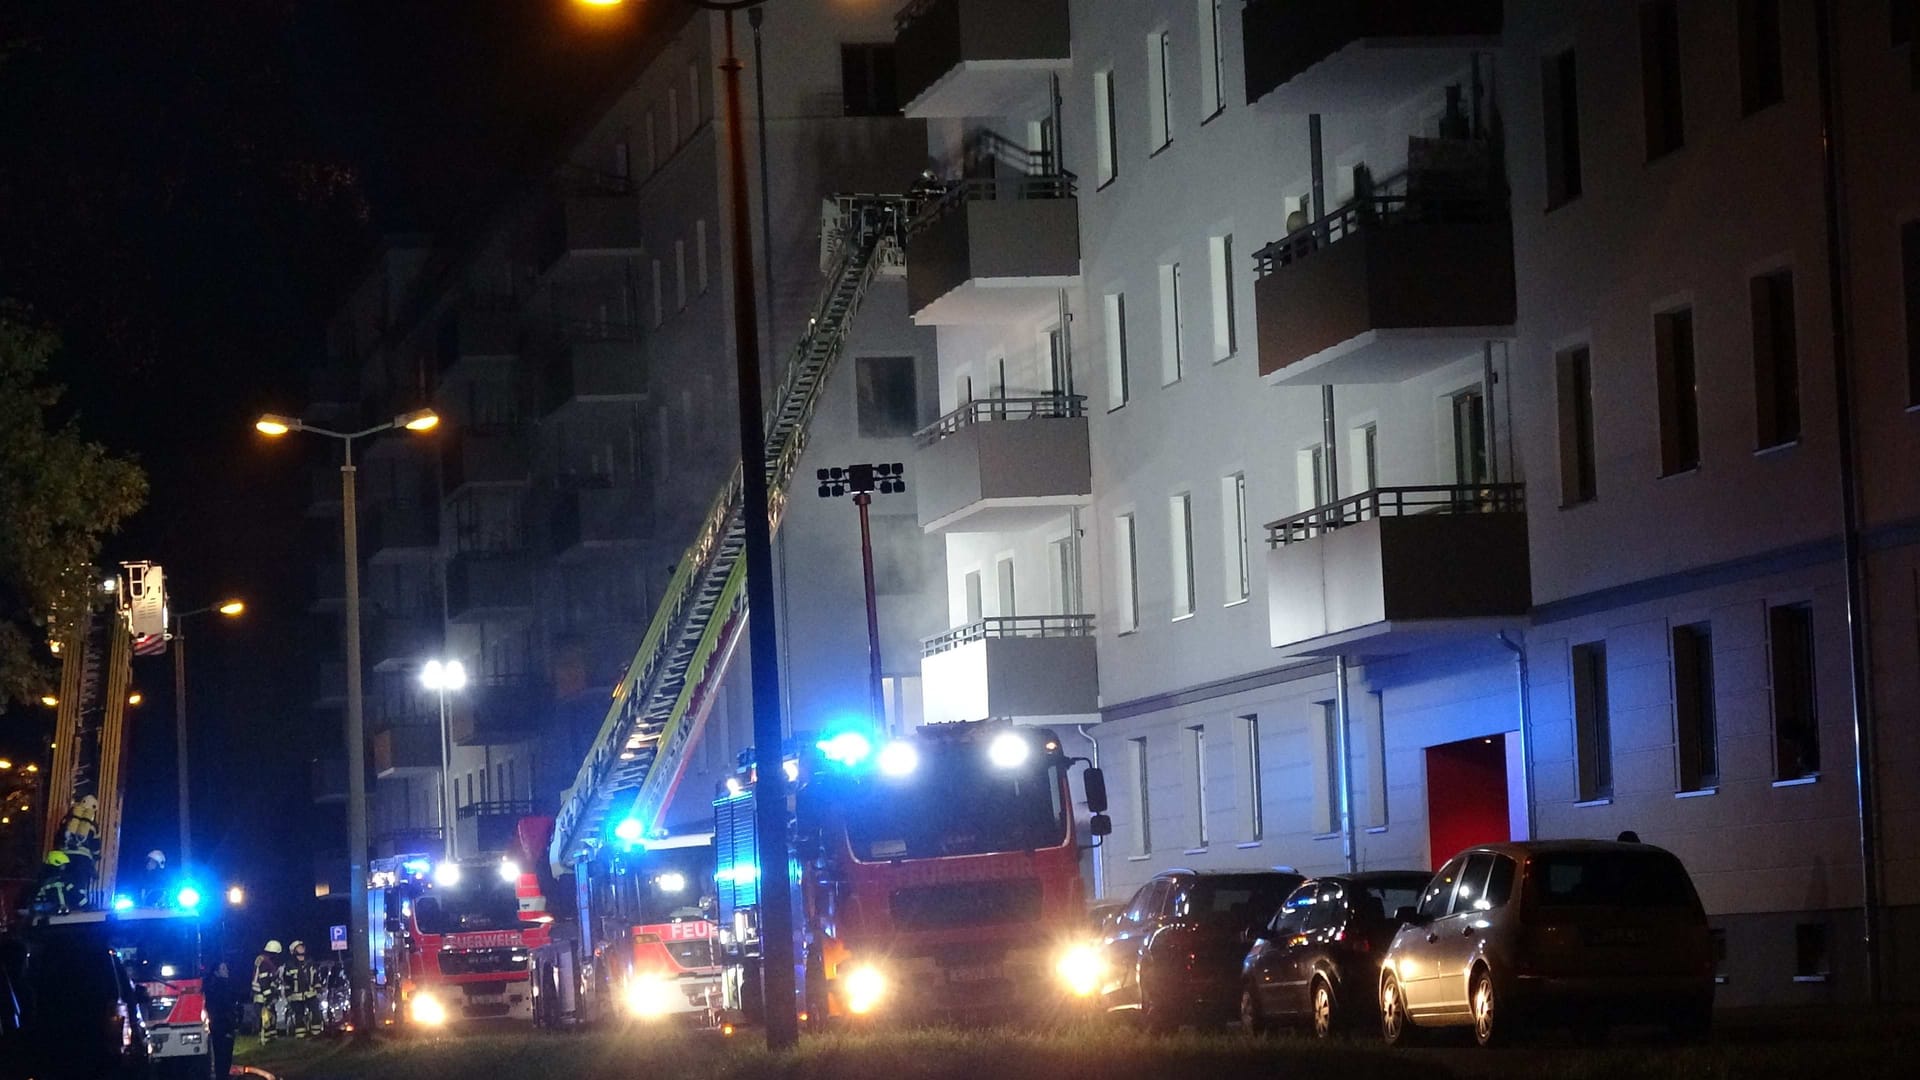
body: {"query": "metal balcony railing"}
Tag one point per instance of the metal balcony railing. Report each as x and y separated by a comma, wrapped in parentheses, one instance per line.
(513, 808)
(1377, 212)
(575, 179)
(595, 330)
(954, 194)
(1398, 502)
(1006, 626)
(987, 410)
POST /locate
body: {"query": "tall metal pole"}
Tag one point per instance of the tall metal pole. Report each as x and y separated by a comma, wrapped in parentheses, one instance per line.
(360, 961)
(180, 739)
(446, 781)
(875, 681)
(769, 729)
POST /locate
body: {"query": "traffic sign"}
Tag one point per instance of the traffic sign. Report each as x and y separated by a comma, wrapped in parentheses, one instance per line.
(337, 938)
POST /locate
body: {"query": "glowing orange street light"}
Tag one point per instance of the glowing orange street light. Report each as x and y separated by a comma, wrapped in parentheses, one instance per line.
(50, 701)
(273, 424)
(135, 698)
(232, 608)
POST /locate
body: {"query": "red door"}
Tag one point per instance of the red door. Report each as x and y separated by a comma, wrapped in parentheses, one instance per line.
(1466, 796)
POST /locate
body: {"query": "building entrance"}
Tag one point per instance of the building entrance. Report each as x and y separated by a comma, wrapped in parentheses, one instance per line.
(1466, 795)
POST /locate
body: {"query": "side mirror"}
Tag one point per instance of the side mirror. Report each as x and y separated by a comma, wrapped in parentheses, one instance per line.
(395, 926)
(1100, 825)
(1094, 782)
(1409, 916)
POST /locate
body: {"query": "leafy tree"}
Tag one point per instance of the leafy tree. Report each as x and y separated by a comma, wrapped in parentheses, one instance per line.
(59, 494)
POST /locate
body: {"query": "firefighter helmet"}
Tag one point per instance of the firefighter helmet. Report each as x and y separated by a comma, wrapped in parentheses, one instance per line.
(298, 946)
(273, 947)
(57, 858)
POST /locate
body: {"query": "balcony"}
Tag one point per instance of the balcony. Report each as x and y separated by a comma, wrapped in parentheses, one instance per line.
(591, 519)
(398, 642)
(482, 457)
(599, 363)
(412, 840)
(1386, 288)
(494, 710)
(483, 329)
(489, 826)
(584, 230)
(1018, 665)
(483, 586)
(1358, 55)
(1003, 463)
(993, 250)
(323, 493)
(405, 751)
(330, 875)
(328, 780)
(1395, 570)
(398, 532)
(329, 585)
(961, 58)
(333, 397)
(330, 684)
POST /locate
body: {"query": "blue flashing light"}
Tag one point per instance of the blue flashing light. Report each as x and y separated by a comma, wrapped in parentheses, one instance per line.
(187, 897)
(629, 831)
(846, 748)
(123, 903)
(417, 867)
(737, 874)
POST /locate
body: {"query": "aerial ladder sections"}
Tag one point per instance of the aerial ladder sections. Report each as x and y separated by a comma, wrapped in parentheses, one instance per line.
(663, 699)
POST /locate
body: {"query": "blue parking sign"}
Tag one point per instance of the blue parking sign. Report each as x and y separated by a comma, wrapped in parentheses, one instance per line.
(337, 938)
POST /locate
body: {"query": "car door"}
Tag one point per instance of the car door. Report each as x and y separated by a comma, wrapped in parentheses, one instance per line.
(1275, 977)
(1324, 926)
(1459, 936)
(1127, 940)
(1416, 948)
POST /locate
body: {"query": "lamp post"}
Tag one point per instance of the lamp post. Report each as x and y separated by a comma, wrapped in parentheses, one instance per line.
(230, 609)
(359, 958)
(864, 481)
(441, 677)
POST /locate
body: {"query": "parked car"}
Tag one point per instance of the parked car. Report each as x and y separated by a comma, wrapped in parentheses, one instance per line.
(1584, 931)
(82, 1016)
(1173, 954)
(1318, 960)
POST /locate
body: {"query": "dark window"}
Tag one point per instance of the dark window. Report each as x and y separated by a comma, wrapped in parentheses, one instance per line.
(1241, 901)
(867, 83)
(1470, 893)
(888, 394)
(1760, 73)
(1470, 465)
(1695, 737)
(1500, 881)
(1578, 481)
(1292, 917)
(1438, 899)
(1592, 723)
(1613, 879)
(1812, 960)
(1329, 910)
(1718, 939)
(1776, 361)
(1559, 97)
(1900, 20)
(1660, 77)
(1679, 391)
(1796, 718)
(1910, 273)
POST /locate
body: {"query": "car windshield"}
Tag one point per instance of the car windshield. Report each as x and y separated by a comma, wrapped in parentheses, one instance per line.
(1243, 901)
(956, 802)
(478, 902)
(1391, 895)
(1629, 879)
(155, 950)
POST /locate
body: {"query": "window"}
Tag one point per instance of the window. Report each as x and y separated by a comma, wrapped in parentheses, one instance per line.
(1326, 786)
(1796, 719)
(1226, 334)
(1910, 274)
(1660, 77)
(1812, 960)
(659, 311)
(622, 160)
(679, 275)
(868, 86)
(1363, 443)
(1592, 723)
(673, 118)
(887, 396)
(1250, 733)
(1114, 309)
(1233, 536)
(970, 587)
(1679, 391)
(1064, 575)
(1718, 937)
(700, 255)
(693, 94)
(1310, 477)
(1776, 359)
(653, 144)
(1578, 482)
(1560, 102)
(1761, 83)
(1197, 740)
(1213, 62)
(1127, 568)
(1437, 901)
(1003, 582)
(1373, 729)
(1159, 94)
(1172, 329)
(1470, 464)
(1695, 741)
(1106, 135)
(1180, 530)
(1142, 798)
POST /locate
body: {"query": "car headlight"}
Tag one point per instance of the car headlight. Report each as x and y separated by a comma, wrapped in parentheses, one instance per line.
(649, 997)
(863, 987)
(427, 1010)
(1081, 969)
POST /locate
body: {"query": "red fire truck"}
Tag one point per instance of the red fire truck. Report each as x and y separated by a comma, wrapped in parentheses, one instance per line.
(939, 875)
(453, 940)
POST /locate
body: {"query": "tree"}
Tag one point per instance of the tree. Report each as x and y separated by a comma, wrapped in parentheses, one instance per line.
(59, 495)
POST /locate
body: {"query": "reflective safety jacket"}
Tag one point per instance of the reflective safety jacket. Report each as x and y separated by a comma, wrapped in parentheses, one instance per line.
(301, 979)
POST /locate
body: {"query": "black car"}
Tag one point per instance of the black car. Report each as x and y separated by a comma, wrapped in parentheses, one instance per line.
(1173, 954)
(1318, 960)
(81, 1016)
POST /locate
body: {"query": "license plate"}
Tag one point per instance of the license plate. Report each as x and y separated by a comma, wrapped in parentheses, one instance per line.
(486, 999)
(1618, 935)
(975, 973)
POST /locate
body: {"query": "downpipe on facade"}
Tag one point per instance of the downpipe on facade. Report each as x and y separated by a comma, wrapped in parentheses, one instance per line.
(1525, 681)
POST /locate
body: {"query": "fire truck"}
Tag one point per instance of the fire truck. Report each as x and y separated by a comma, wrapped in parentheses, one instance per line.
(939, 875)
(453, 940)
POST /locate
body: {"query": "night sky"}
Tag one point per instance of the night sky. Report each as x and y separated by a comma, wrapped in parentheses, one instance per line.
(186, 191)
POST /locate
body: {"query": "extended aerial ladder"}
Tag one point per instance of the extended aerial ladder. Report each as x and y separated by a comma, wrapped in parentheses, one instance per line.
(663, 699)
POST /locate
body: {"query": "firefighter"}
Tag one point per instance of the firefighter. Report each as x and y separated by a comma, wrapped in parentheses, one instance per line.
(223, 1017)
(57, 894)
(153, 887)
(266, 989)
(302, 982)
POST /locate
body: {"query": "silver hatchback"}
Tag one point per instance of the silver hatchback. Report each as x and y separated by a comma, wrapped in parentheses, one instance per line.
(1586, 932)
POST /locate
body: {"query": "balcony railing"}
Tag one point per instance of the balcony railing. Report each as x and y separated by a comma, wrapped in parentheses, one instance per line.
(1397, 502)
(988, 410)
(1005, 626)
(1377, 212)
(974, 57)
(954, 194)
(513, 808)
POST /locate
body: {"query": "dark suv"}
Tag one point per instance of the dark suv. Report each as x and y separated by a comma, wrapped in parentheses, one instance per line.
(1318, 961)
(1174, 953)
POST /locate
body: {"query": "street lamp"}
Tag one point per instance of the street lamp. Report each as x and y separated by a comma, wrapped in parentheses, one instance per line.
(228, 608)
(864, 481)
(360, 960)
(440, 678)
(236, 896)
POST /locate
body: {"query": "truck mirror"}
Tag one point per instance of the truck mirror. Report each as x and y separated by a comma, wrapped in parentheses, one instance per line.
(1100, 825)
(394, 926)
(1095, 784)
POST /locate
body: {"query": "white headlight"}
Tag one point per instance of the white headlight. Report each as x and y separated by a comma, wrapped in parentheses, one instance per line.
(649, 997)
(1080, 968)
(671, 881)
(899, 759)
(865, 986)
(1008, 750)
(427, 1010)
(509, 871)
(446, 875)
